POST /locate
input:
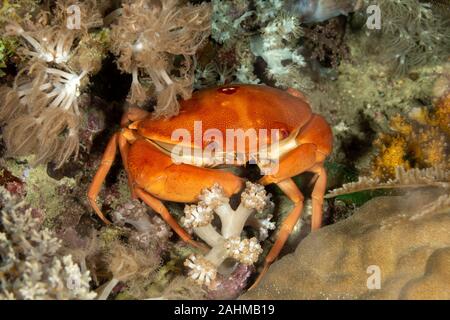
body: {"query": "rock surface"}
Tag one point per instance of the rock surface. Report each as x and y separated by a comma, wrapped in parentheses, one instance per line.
(405, 238)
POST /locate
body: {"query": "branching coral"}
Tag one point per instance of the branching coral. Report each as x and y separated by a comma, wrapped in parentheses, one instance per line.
(136, 258)
(228, 243)
(41, 110)
(31, 267)
(155, 41)
(326, 43)
(278, 45)
(282, 60)
(227, 20)
(265, 40)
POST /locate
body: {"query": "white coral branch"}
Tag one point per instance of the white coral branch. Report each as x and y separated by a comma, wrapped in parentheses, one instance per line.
(262, 225)
(228, 243)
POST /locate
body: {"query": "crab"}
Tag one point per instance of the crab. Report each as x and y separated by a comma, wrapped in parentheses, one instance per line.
(146, 146)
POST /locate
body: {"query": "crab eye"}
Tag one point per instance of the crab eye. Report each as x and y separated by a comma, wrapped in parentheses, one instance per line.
(228, 90)
(284, 133)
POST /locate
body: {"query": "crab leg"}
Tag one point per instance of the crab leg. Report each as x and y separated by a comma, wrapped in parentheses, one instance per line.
(118, 139)
(299, 160)
(132, 114)
(123, 147)
(291, 190)
(158, 178)
(159, 207)
(317, 196)
(100, 175)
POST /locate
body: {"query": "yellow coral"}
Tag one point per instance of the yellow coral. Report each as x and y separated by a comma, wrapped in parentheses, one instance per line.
(434, 154)
(399, 124)
(420, 142)
(442, 114)
(392, 154)
(429, 147)
(440, 117)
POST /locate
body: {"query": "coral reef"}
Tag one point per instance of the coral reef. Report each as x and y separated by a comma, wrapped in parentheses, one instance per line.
(357, 115)
(132, 266)
(422, 142)
(148, 38)
(326, 43)
(405, 238)
(42, 191)
(63, 91)
(228, 18)
(151, 230)
(273, 45)
(41, 111)
(142, 260)
(31, 265)
(233, 285)
(228, 243)
(413, 34)
(261, 32)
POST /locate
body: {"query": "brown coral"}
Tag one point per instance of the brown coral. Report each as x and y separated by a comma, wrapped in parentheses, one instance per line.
(155, 41)
(134, 266)
(442, 114)
(326, 42)
(40, 111)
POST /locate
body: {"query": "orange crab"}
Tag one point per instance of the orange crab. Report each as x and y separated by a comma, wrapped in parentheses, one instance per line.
(145, 144)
